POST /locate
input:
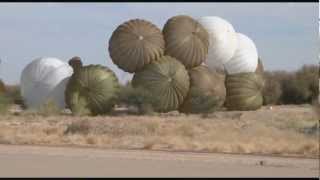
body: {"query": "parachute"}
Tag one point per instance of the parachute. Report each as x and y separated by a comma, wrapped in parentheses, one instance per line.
(186, 40)
(167, 79)
(245, 59)
(207, 91)
(135, 44)
(244, 91)
(43, 80)
(223, 41)
(94, 88)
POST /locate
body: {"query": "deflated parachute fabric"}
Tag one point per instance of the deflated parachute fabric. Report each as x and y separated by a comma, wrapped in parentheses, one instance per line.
(167, 79)
(43, 80)
(244, 91)
(134, 44)
(223, 41)
(186, 40)
(245, 59)
(93, 87)
(207, 91)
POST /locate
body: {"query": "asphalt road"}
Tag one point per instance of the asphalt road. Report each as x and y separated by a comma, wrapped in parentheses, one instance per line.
(38, 161)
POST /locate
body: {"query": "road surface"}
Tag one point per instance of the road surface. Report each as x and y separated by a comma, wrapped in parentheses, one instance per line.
(39, 161)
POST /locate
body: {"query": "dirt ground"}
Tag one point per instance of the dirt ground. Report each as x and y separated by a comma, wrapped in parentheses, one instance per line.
(280, 130)
(40, 161)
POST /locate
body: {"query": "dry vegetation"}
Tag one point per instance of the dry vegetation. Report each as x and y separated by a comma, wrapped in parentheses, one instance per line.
(284, 130)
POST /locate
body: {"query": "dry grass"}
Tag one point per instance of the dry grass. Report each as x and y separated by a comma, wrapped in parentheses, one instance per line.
(284, 130)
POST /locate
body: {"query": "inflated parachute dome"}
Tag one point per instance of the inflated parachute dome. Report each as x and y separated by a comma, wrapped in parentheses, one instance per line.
(207, 91)
(93, 88)
(135, 44)
(244, 91)
(186, 40)
(223, 41)
(167, 79)
(44, 80)
(245, 59)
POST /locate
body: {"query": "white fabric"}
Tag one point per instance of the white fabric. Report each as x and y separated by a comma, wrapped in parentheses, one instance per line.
(45, 79)
(245, 59)
(222, 41)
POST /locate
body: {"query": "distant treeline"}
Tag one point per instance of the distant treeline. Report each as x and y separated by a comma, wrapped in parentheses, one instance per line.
(298, 87)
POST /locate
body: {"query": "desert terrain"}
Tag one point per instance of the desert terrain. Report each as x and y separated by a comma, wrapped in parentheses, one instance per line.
(272, 141)
(278, 130)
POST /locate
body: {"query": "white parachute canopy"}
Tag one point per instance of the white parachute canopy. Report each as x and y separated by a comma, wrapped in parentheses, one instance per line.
(45, 79)
(222, 40)
(245, 59)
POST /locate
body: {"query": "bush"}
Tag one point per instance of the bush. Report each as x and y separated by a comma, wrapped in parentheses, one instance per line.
(301, 86)
(2, 87)
(5, 103)
(272, 90)
(78, 127)
(142, 99)
(14, 93)
(308, 77)
(49, 109)
(298, 87)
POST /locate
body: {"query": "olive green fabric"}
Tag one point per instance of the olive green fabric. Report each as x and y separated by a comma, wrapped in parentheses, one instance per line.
(167, 79)
(136, 43)
(207, 91)
(92, 87)
(244, 91)
(186, 40)
(75, 63)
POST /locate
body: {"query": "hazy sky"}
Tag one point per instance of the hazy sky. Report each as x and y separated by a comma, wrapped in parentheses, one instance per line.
(286, 34)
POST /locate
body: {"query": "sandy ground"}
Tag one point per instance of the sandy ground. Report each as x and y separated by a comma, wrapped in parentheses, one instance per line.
(36, 161)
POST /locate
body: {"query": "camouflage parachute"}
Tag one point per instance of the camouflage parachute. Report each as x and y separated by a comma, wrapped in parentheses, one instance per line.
(186, 40)
(93, 88)
(207, 91)
(135, 44)
(167, 79)
(244, 91)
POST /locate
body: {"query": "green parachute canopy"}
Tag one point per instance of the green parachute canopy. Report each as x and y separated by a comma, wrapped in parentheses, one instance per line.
(167, 80)
(244, 91)
(136, 43)
(93, 88)
(186, 40)
(207, 91)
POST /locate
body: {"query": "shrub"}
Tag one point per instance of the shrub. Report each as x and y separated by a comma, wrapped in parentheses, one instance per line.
(2, 87)
(301, 86)
(272, 90)
(49, 109)
(140, 98)
(5, 103)
(298, 87)
(78, 127)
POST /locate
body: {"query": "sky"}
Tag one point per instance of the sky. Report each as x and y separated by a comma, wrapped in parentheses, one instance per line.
(285, 34)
